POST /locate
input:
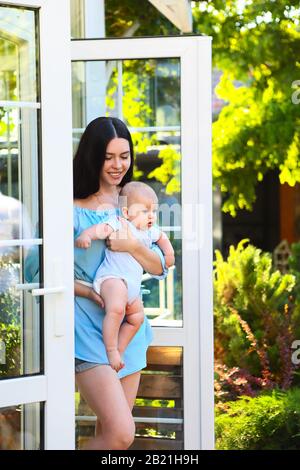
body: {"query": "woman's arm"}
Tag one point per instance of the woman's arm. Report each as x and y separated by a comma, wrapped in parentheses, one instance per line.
(81, 290)
(123, 240)
(148, 259)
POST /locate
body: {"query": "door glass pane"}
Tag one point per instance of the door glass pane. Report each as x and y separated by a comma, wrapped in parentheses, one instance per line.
(21, 426)
(145, 94)
(158, 410)
(18, 52)
(20, 230)
(112, 18)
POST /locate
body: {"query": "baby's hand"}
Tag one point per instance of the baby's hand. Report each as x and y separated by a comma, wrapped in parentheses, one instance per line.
(83, 241)
(170, 260)
(115, 359)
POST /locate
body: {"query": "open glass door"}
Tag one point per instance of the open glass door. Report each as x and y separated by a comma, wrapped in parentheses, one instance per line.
(36, 236)
(161, 88)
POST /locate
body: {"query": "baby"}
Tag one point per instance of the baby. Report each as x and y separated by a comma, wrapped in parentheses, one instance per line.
(118, 278)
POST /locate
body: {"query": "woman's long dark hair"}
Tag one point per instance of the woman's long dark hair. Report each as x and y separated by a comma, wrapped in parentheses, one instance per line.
(89, 158)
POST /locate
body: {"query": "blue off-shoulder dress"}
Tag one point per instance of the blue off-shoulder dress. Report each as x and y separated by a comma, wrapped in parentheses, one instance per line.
(89, 345)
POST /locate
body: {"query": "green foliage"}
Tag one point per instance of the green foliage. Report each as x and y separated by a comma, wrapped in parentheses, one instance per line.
(10, 329)
(139, 78)
(120, 16)
(258, 129)
(169, 172)
(270, 421)
(294, 266)
(294, 269)
(8, 49)
(9, 78)
(10, 337)
(7, 124)
(254, 326)
(136, 110)
(155, 403)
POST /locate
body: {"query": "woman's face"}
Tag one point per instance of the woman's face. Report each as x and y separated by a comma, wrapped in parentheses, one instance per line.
(117, 161)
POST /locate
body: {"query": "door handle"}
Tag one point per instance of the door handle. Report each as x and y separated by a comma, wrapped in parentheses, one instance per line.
(58, 317)
(54, 278)
(48, 290)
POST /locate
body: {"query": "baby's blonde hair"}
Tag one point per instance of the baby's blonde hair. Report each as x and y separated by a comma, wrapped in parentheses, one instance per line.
(129, 191)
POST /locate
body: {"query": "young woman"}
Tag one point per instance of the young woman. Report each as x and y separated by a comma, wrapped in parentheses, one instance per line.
(102, 165)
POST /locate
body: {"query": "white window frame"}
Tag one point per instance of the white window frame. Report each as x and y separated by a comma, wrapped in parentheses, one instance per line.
(56, 386)
(196, 335)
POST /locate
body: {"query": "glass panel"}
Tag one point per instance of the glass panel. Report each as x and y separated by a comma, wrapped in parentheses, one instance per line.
(145, 94)
(158, 411)
(77, 19)
(112, 18)
(18, 51)
(158, 408)
(21, 427)
(20, 325)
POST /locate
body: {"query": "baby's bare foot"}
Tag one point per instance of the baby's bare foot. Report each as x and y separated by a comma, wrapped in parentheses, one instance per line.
(115, 360)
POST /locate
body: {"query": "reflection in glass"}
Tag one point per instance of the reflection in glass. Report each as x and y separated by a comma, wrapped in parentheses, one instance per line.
(112, 18)
(19, 313)
(19, 158)
(20, 427)
(19, 192)
(145, 93)
(159, 405)
(18, 78)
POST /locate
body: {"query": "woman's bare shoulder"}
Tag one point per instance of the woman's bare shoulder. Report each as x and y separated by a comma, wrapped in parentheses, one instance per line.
(84, 203)
(77, 202)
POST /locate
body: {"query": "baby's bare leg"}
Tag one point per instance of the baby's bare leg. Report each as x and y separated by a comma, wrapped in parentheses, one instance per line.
(134, 319)
(114, 294)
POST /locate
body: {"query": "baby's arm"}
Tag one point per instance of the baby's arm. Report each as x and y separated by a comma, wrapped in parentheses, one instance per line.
(165, 245)
(95, 232)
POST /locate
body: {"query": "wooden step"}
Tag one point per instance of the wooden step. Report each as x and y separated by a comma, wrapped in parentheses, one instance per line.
(150, 443)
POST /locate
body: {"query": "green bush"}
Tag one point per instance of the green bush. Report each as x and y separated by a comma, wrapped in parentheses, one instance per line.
(10, 328)
(254, 323)
(10, 335)
(268, 421)
(294, 269)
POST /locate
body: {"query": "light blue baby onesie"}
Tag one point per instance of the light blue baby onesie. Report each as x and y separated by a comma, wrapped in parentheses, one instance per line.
(122, 264)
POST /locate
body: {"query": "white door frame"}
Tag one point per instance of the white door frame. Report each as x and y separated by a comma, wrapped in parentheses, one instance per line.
(56, 386)
(196, 336)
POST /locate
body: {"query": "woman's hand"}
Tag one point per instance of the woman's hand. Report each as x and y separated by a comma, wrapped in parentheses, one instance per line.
(96, 298)
(123, 239)
(85, 291)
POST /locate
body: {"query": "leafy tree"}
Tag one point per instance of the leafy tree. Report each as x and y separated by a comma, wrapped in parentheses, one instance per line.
(256, 43)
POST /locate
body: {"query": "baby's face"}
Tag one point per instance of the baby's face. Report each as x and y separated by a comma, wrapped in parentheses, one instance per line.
(142, 212)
